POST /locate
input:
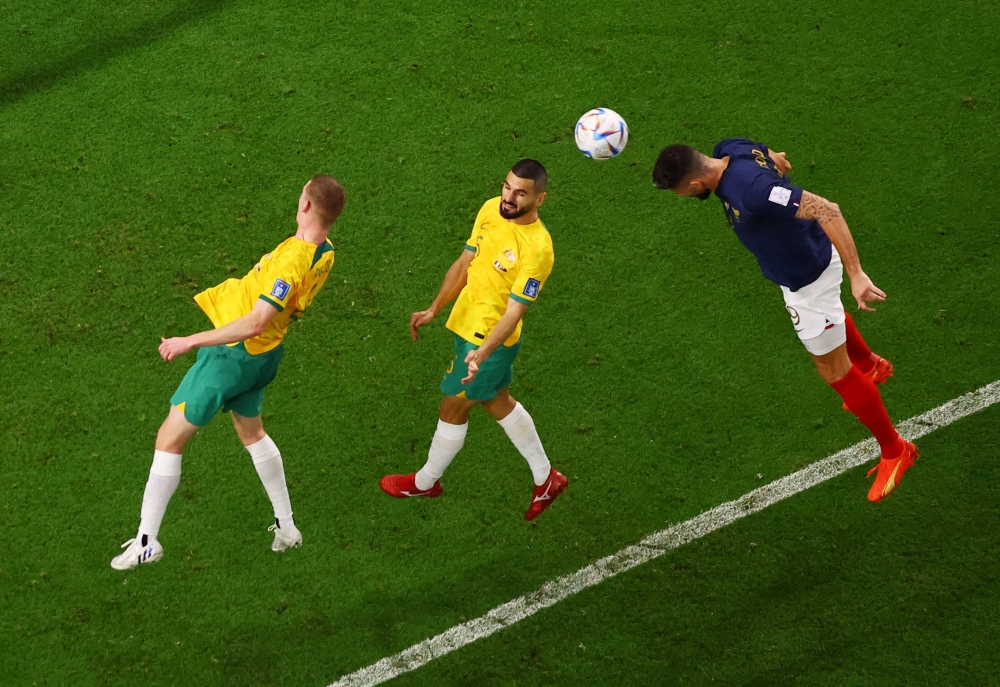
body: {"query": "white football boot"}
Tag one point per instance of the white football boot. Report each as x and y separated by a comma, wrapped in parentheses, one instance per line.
(285, 538)
(136, 553)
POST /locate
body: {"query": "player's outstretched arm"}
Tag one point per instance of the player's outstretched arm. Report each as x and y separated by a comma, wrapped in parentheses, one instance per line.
(454, 282)
(832, 221)
(246, 327)
(505, 327)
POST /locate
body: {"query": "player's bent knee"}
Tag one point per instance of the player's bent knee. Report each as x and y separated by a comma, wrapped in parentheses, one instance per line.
(833, 365)
(175, 431)
(503, 395)
(249, 429)
(455, 410)
(500, 405)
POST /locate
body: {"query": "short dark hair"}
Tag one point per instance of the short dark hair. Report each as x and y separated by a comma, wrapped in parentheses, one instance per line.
(328, 196)
(675, 163)
(531, 169)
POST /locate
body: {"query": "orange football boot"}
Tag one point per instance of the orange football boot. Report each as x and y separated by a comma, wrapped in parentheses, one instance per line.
(890, 472)
(880, 373)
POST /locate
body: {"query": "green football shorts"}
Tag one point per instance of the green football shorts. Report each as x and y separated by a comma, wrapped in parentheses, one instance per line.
(226, 378)
(494, 374)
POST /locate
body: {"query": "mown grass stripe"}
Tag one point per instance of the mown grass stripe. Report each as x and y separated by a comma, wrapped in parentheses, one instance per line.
(660, 542)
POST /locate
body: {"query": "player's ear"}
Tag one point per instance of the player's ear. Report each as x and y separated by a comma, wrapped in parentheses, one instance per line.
(541, 198)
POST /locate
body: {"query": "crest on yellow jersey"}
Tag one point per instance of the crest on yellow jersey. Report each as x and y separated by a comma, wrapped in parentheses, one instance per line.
(505, 260)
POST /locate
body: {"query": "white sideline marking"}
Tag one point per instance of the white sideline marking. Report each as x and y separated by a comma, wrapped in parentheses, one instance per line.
(660, 542)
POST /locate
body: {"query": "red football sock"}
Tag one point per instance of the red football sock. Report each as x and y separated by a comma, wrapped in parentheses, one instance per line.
(864, 400)
(857, 350)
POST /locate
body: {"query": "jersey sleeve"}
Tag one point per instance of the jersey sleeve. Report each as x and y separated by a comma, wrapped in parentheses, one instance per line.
(772, 196)
(279, 283)
(531, 277)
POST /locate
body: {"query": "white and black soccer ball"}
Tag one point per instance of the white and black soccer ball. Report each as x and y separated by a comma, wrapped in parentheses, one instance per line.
(601, 133)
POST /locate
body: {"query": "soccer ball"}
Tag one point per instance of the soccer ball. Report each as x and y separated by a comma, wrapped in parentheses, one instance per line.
(601, 133)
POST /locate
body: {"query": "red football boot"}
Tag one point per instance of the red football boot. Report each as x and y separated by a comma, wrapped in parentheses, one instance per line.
(882, 370)
(890, 472)
(546, 494)
(405, 486)
(880, 373)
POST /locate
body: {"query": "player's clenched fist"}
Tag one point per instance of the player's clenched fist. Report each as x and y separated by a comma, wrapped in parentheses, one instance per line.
(171, 348)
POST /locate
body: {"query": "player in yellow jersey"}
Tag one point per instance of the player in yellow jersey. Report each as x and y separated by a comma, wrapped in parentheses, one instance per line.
(236, 360)
(500, 273)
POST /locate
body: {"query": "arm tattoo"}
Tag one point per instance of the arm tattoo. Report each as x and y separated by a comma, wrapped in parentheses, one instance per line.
(817, 208)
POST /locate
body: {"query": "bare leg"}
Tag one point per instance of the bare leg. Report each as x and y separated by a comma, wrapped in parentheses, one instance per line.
(455, 410)
(501, 405)
(175, 432)
(249, 429)
(833, 366)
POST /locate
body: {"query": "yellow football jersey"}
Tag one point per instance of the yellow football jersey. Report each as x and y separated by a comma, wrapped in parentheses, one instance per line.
(289, 277)
(512, 261)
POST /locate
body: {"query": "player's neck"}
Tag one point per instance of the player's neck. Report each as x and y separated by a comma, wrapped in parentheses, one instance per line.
(715, 169)
(311, 233)
(525, 220)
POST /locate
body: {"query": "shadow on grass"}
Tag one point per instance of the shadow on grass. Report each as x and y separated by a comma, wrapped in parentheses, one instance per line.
(47, 72)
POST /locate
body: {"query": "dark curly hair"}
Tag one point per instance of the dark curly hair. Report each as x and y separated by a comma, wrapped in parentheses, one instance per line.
(674, 163)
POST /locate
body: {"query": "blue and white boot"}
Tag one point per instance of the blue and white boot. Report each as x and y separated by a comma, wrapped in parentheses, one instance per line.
(142, 549)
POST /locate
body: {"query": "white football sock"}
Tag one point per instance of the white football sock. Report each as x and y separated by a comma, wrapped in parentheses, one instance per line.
(521, 430)
(164, 476)
(448, 441)
(270, 469)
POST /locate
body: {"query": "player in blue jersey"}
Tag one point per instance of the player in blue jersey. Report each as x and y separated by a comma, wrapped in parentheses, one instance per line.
(803, 244)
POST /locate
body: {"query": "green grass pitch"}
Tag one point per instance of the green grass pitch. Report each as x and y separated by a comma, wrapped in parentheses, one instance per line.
(152, 150)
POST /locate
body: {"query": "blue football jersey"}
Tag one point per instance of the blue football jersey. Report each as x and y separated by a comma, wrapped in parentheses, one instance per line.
(760, 205)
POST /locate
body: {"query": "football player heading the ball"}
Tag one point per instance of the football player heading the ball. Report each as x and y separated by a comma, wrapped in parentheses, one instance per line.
(501, 271)
(236, 361)
(803, 244)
